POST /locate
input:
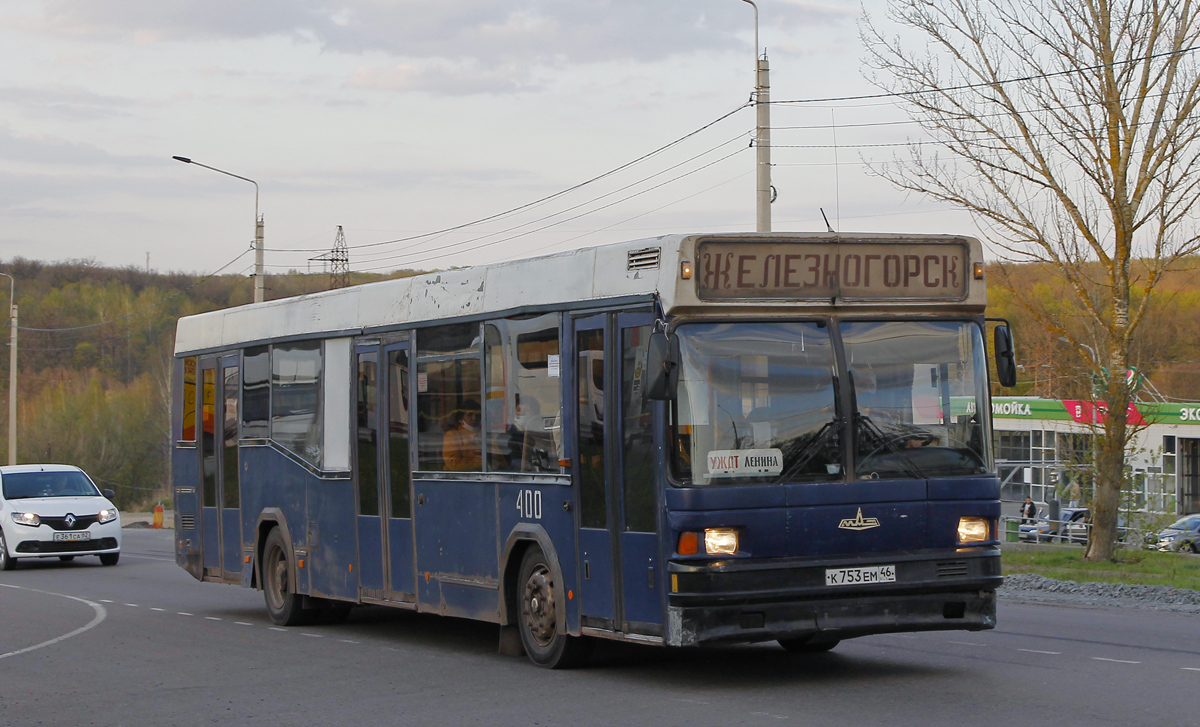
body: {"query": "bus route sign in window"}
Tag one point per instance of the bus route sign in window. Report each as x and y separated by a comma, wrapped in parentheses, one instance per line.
(779, 270)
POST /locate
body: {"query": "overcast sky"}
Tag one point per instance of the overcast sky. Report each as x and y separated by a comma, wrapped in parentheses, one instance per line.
(397, 119)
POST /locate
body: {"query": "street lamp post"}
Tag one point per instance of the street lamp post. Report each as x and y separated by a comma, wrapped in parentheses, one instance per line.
(12, 371)
(762, 132)
(259, 279)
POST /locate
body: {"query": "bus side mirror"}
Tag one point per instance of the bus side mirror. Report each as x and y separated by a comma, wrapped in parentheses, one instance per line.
(662, 366)
(1006, 358)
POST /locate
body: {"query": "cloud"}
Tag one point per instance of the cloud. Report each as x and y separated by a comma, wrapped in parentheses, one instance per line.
(40, 150)
(442, 79)
(481, 31)
(64, 102)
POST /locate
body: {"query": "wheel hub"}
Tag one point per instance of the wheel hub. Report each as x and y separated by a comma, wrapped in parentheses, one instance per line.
(541, 619)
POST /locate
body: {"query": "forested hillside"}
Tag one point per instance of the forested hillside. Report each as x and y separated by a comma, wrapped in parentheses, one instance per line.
(94, 355)
(96, 343)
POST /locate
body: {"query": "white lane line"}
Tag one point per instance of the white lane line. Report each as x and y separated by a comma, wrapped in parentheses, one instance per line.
(967, 643)
(152, 608)
(1191, 668)
(243, 623)
(132, 605)
(1038, 651)
(1115, 661)
(105, 600)
(101, 614)
(211, 618)
(183, 613)
(315, 636)
(347, 641)
(276, 628)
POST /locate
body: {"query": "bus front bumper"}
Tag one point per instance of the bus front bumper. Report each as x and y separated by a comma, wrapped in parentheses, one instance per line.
(745, 601)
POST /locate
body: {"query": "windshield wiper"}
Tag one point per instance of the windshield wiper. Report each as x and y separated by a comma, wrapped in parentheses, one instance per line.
(815, 444)
(884, 441)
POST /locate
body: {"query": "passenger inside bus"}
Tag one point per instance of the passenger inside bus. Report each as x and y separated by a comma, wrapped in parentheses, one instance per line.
(461, 446)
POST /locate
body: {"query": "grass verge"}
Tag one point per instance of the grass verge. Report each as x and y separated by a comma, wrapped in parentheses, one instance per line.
(1146, 567)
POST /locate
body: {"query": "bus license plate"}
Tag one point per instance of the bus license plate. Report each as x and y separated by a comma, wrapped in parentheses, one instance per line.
(856, 576)
(72, 536)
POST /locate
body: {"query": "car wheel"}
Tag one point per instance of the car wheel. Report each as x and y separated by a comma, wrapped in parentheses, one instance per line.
(537, 618)
(109, 558)
(66, 558)
(283, 603)
(6, 562)
(805, 646)
(1196, 547)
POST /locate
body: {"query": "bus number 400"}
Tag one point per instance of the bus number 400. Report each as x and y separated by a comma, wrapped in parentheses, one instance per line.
(529, 504)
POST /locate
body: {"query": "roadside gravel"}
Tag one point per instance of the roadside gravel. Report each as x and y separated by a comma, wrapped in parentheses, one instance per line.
(1031, 588)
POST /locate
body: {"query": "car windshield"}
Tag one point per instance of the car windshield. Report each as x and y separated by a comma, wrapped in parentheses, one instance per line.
(756, 404)
(920, 387)
(18, 485)
(1187, 523)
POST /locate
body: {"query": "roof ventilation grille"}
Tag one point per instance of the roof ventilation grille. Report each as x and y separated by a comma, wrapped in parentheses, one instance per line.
(644, 259)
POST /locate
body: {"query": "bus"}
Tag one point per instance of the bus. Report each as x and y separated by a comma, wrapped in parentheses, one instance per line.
(684, 440)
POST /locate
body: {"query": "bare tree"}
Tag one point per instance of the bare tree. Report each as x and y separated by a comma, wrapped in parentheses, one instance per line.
(1068, 128)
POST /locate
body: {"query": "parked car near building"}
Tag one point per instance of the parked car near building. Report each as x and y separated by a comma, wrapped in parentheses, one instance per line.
(1183, 534)
(55, 511)
(1071, 527)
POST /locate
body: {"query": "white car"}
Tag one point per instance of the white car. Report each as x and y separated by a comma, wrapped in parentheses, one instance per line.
(55, 511)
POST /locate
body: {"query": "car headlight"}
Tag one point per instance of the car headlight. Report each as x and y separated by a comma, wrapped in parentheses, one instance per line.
(107, 515)
(27, 518)
(721, 541)
(972, 530)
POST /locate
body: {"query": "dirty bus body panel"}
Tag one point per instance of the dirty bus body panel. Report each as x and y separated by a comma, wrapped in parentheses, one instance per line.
(678, 440)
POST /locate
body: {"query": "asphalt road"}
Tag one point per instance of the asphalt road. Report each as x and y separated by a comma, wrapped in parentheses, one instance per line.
(144, 644)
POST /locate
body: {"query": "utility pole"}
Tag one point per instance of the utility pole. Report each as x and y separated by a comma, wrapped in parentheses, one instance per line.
(12, 371)
(762, 133)
(339, 261)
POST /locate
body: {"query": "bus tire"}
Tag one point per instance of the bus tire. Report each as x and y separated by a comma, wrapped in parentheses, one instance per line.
(806, 646)
(537, 617)
(283, 603)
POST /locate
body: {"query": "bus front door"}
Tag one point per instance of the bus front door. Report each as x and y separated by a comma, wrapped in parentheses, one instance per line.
(620, 577)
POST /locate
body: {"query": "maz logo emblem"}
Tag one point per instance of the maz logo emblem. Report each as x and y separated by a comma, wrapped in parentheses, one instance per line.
(859, 522)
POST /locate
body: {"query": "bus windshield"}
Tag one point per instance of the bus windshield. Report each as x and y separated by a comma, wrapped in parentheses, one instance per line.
(919, 388)
(756, 404)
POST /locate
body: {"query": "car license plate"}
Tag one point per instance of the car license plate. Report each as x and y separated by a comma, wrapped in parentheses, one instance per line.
(73, 536)
(857, 576)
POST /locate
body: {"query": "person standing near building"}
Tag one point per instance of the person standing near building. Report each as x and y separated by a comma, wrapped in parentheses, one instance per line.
(1028, 511)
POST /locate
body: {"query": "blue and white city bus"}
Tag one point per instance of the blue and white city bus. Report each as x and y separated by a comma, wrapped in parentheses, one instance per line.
(682, 440)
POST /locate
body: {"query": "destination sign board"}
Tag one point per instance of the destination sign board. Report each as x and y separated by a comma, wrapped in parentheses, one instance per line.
(846, 270)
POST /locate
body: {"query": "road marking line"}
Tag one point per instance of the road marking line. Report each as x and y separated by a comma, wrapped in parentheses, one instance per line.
(101, 614)
(967, 643)
(243, 623)
(152, 608)
(1115, 661)
(276, 628)
(102, 600)
(212, 618)
(132, 605)
(1190, 668)
(347, 641)
(184, 613)
(768, 714)
(1038, 651)
(315, 636)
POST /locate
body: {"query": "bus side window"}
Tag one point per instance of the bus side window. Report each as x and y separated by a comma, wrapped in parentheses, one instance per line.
(523, 413)
(448, 399)
(187, 429)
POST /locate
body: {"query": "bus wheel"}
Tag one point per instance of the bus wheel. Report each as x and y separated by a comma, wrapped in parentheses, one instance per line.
(283, 603)
(545, 645)
(805, 646)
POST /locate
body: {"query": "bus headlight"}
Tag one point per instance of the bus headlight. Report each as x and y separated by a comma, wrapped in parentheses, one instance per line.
(721, 541)
(972, 530)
